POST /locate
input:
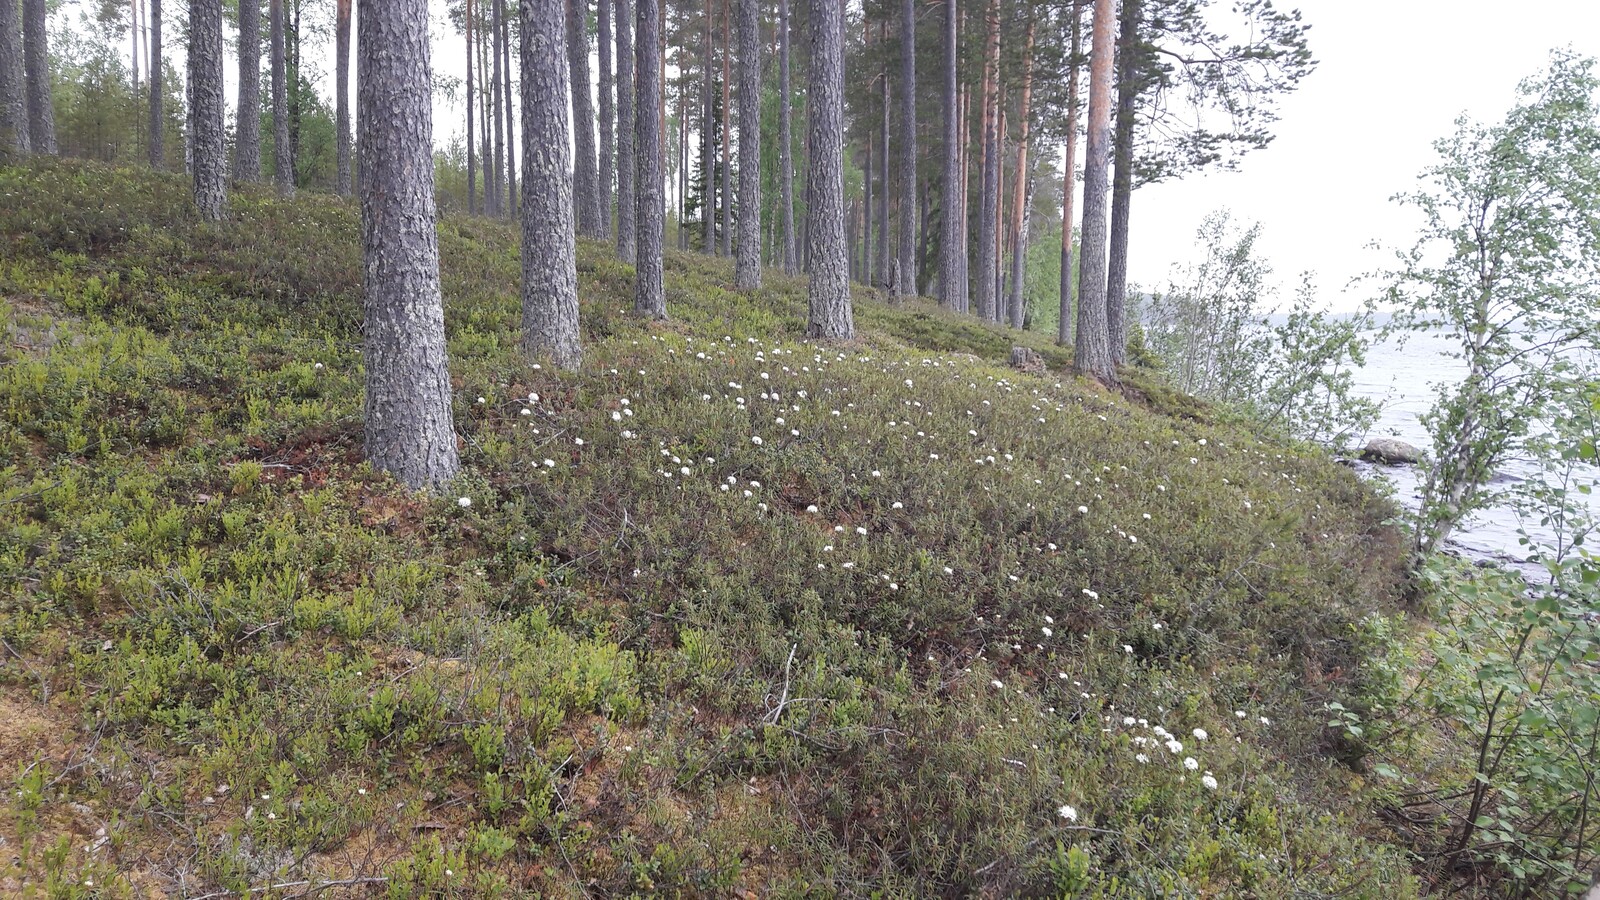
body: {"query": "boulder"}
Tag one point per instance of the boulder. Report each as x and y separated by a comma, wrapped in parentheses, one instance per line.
(1026, 359)
(1391, 451)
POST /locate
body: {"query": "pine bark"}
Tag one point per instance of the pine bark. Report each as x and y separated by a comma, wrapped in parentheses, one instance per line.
(497, 149)
(14, 132)
(907, 284)
(247, 135)
(649, 299)
(952, 237)
(727, 132)
(627, 215)
(472, 154)
(1122, 178)
(831, 316)
(747, 259)
(586, 181)
(282, 155)
(608, 116)
(549, 244)
(341, 86)
(989, 191)
(1023, 187)
(868, 174)
(409, 432)
(510, 106)
(1069, 179)
(785, 146)
(157, 91)
(36, 60)
(205, 81)
(708, 205)
(885, 276)
(1093, 349)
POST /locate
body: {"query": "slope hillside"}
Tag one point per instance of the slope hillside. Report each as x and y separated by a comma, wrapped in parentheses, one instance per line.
(724, 614)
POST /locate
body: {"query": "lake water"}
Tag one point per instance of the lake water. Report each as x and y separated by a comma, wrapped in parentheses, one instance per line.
(1403, 378)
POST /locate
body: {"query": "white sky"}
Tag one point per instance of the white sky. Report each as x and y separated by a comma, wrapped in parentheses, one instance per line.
(1393, 76)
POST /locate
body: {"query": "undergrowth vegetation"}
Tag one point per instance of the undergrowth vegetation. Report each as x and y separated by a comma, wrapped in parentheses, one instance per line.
(724, 612)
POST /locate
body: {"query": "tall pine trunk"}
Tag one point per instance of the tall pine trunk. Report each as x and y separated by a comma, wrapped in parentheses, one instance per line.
(830, 315)
(205, 80)
(157, 91)
(747, 265)
(868, 173)
(608, 115)
(491, 185)
(585, 179)
(1122, 179)
(989, 191)
(497, 100)
(952, 237)
(627, 216)
(883, 264)
(708, 198)
(649, 298)
(341, 87)
(785, 146)
(282, 157)
(1069, 178)
(549, 244)
(36, 60)
(14, 133)
(1023, 187)
(510, 106)
(472, 151)
(409, 432)
(1093, 350)
(247, 143)
(907, 284)
(727, 131)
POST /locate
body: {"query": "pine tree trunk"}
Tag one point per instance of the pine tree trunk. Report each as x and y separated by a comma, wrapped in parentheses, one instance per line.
(496, 107)
(247, 139)
(157, 91)
(868, 174)
(1023, 187)
(907, 285)
(952, 239)
(491, 185)
(14, 131)
(785, 146)
(1069, 180)
(1122, 179)
(747, 264)
(1093, 350)
(649, 299)
(549, 246)
(884, 263)
(727, 132)
(831, 316)
(608, 115)
(36, 60)
(472, 153)
(409, 431)
(341, 87)
(510, 107)
(283, 161)
(989, 192)
(708, 204)
(296, 104)
(205, 78)
(627, 215)
(586, 182)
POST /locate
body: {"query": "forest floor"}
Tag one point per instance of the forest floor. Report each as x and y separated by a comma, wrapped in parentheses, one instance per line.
(726, 613)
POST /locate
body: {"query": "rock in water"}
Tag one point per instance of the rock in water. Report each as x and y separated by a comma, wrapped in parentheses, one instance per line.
(1391, 451)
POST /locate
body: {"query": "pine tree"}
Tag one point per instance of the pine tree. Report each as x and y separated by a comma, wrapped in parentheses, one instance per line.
(747, 270)
(247, 137)
(785, 147)
(952, 236)
(586, 181)
(649, 299)
(1129, 49)
(205, 81)
(14, 136)
(1069, 178)
(726, 172)
(157, 90)
(341, 87)
(627, 214)
(505, 89)
(907, 283)
(989, 191)
(831, 316)
(708, 218)
(1023, 186)
(409, 431)
(472, 155)
(549, 245)
(497, 150)
(36, 60)
(282, 152)
(607, 116)
(1093, 350)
